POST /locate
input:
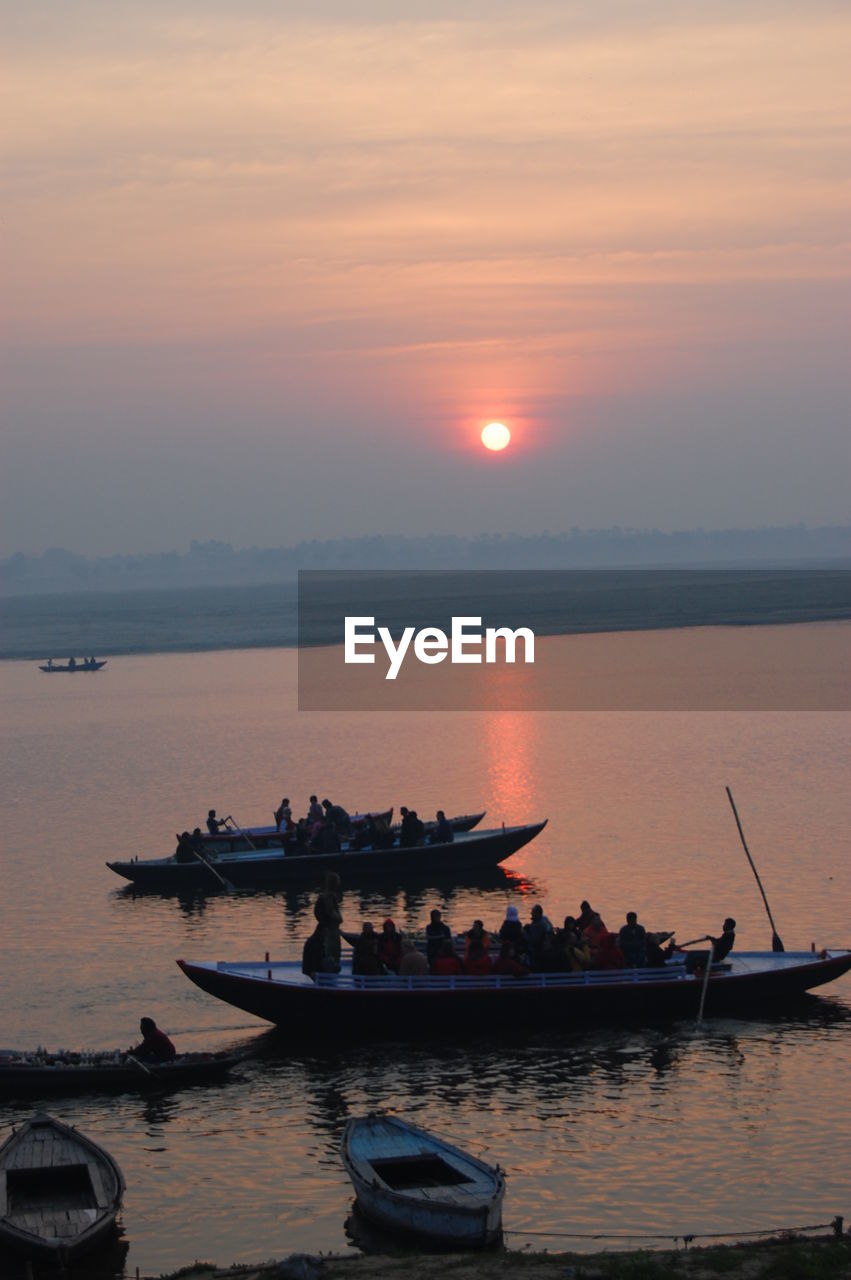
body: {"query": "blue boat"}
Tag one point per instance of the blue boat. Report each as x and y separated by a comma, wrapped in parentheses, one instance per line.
(410, 1181)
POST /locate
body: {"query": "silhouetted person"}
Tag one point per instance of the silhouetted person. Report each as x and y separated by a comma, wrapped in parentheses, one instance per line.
(155, 1045)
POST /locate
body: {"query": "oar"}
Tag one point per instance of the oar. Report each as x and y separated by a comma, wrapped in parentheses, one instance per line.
(238, 829)
(140, 1065)
(776, 944)
(226, 884)
(706, 972)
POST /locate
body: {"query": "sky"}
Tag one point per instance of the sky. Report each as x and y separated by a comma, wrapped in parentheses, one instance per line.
(269, 268)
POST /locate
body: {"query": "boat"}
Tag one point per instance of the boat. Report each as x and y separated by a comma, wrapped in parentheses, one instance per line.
(38, 1074)
(390, 1006)
(470, 851)
(59, 1191)
(411, 1181)
(86, 664)
(234, 839)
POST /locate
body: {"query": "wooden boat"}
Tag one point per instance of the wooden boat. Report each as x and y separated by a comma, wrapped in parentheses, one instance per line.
(469, 851)
(233, 839)
(334, 1004)
(411, 1181)
(52, 667)
(39, 1074)
(59, 1191)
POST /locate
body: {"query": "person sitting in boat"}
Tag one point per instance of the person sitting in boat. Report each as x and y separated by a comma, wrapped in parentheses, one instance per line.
(413, 963)
(586, 915)
(477, 961)
(365, 961)
(389, 946)
(721, 947)
(412, 832)
(72, 662)
(606, 954)
(326, 840)
(155, 1045)
(632, 940)
(337, 816)
(443, 833)
(447, 962)
(436, 933)
(570, 953)
(475, 938)
(538, 935)
(381, 835)
(214, 823)
(185, 851)
(511, 930)
(507, 963)
(594, 931)
(50, 664)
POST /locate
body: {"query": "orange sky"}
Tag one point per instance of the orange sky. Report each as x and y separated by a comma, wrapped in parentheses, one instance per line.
(366, 233)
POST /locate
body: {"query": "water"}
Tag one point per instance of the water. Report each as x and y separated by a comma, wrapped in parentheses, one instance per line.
(652, 1130)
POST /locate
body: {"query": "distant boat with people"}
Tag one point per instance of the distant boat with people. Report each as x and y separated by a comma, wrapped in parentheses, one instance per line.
(84, 664)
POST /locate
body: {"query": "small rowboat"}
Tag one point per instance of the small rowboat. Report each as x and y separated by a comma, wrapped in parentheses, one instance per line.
(40, 1074)
(59, 1191)
(411, 1181)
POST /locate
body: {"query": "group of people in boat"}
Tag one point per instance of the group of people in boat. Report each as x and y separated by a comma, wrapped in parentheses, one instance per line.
(515, 949)
(329, 828)
(86, 664)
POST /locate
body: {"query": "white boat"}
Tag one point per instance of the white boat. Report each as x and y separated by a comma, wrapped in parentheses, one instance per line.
(411, 1181)
(59, 1192)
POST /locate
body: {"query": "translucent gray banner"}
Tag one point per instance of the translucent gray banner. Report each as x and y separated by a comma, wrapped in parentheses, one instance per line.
(591, 640)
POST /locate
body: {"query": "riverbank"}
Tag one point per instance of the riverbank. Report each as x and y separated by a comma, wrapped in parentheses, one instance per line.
(783, 1258)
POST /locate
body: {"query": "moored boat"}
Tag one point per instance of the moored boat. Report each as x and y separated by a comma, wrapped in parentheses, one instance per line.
(414, 1182)
(59, 1191)
(467, 852)
(39, 1074)
(333, 1004)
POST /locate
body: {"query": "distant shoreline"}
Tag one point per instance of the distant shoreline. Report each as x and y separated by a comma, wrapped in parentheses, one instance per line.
(207, 619)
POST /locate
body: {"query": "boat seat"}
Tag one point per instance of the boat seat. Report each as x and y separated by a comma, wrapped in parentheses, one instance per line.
(98, 1188)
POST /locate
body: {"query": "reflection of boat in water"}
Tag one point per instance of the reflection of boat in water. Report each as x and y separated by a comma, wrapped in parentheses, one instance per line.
(61, 1191)
(411, 1181)
(390, 1005)
(86, 664)
(470, 851)
(36, 1075)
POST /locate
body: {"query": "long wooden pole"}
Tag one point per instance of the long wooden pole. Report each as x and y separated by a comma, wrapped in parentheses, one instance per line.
(704, 985)
(226, 884)
(776, 944)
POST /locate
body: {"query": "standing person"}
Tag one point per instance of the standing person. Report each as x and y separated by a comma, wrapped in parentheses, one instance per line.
(443, 833)
(389, 947)
(322, 949)
(436, 931)
(632, 940)
(314, 813)
(155, 1045)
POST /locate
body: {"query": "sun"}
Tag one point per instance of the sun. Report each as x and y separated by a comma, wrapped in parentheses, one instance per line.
(495, 436)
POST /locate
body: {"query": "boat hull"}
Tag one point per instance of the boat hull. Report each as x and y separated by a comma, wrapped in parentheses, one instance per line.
(23, 1077)
(471, 851)
(62, 1192)
(389, 1007)
(435, 1191)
